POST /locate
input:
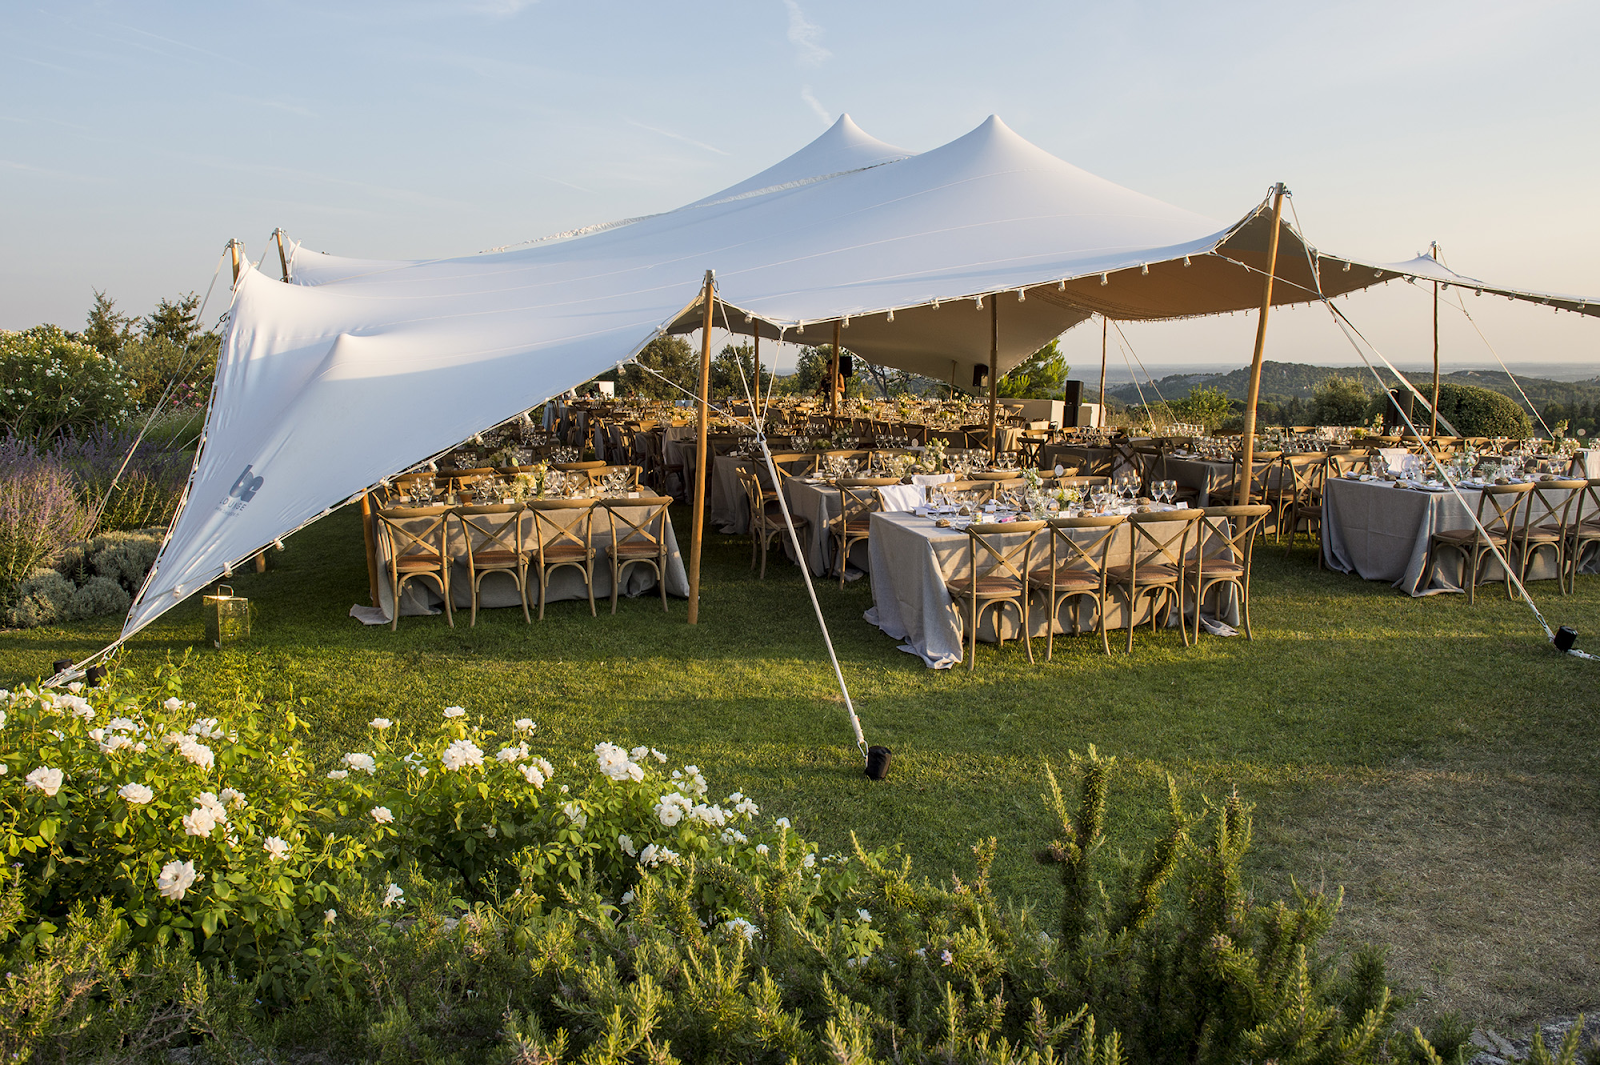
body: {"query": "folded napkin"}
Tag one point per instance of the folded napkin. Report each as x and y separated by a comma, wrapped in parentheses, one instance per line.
(901, 497)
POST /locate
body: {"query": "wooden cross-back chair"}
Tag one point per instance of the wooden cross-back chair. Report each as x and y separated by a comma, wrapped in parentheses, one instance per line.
(766, 517)
(638, 530)
(417, 540)
(600, 474)
(998, 561)
(1158, 550)
(1299, 495)
(1498, 506)
(562, 538)
(1545, 518)
(1224, 552)
(858, 498)
(1583, 531)
(494, 544)
(1080, 555)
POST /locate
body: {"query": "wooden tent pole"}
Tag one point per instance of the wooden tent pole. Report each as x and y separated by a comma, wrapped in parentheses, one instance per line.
(994, 376)
(1435, 430)
(233, 249)
(1247, 460)
(1105, 327)
(372, 548)
(283, 260)
(833, 376)
(755, 332)
(702, 458)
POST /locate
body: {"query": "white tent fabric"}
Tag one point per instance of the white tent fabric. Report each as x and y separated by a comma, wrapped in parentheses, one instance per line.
(362, 368)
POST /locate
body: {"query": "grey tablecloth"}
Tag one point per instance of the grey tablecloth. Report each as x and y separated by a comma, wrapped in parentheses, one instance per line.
(912, 559)
(1203, 475)
(730, 511)
(421, 596)
(1382, 533)
(819, 504)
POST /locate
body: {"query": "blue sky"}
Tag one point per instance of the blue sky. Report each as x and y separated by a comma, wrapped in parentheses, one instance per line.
(135, 138)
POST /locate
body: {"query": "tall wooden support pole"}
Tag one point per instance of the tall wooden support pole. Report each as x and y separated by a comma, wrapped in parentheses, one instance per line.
(994, 374)
(283, 260)
(1105, 328)
(702, 471)
(1247, 460)
(234, 249)
(755, 333)
(372, 547)
(833, 375)
(1435, 430)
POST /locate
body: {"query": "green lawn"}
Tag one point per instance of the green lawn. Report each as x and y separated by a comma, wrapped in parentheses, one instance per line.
(1435, 758)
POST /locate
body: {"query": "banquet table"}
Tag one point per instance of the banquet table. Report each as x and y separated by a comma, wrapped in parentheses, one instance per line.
(1382, 533)
(912, 558)
(818, 502)
(1586, 462)
(730, 512)
(422, 597)
(1205, 476)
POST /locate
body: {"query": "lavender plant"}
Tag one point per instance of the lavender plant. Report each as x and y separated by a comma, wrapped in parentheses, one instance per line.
(39, 510)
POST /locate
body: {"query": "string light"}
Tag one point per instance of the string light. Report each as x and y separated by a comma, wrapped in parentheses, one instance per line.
(1022, 294)
(1061, 286)
(800, 327)
(1145, 270)
(935, 304)
(978, 302)
(845, 323)
(749, 318)
(1347, 267)
(1104, 280)
(1186, 260)
(891, 314)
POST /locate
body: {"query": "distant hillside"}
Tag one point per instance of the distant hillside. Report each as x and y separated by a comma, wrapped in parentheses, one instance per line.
(1283, 381)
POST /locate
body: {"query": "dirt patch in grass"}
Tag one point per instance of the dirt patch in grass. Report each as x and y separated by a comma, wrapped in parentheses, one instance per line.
(1486, 886)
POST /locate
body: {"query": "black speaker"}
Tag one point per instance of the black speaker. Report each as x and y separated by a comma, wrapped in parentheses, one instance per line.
(1399, 410)
(847, 366)
(1074, 398)
(980, 375)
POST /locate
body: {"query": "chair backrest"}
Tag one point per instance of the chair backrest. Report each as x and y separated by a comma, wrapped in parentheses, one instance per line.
(495, 527)
(1003, 550)
(1302, 476)
(858, 497)
(1067, 481)
(561, 522)
(1229, 533)
(1087, 550)
(1341, 464)
(1588, 503)
(1161, 537)
(1550, 503)
(995, 475)
(415, 531)
(600, 474)
(639, 521)
(796, 463)
(1498, 505)
(570, 467)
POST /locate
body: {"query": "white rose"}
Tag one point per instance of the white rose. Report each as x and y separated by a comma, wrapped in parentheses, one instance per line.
(522, 724)
(45, 779)
(380, 723)
(276, 847)
(137, 794)
(461, 754)
(454, 711)
(626, 843)
(532, 775)
(394, 896)
(176, 879)
(338, 774)
(173, 704)
(382, 815)
(199, 822)
(364, 762)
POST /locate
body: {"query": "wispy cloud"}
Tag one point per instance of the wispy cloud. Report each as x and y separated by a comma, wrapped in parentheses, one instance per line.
(816, 105)
(806, 36)
(28, 168)
(677, 137)
(169, 40)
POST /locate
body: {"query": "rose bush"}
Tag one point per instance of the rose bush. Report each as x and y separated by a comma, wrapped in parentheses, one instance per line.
(220, 833)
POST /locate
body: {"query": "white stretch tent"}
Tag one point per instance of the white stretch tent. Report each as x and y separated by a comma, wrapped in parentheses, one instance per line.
(361, 368)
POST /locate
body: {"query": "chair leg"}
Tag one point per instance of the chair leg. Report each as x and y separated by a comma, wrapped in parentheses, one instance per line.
(544, 587)
(449, 607)
(522, 589)
(477, 582)
(616, 581)
(972, 635)
(1027, 623)
(394, 622)
(588, 576)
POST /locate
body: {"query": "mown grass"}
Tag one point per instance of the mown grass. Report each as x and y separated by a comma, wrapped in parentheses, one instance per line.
(1434, 757)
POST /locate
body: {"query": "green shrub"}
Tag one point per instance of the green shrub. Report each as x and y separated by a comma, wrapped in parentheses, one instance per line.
(124, 557)
(1340, 400)
(1204, 405)
(50, 383)
(1482, 412)
(44, 598)
(98, 597)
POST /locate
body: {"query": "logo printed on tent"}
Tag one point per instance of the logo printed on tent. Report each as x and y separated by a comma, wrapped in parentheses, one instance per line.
(244, 489)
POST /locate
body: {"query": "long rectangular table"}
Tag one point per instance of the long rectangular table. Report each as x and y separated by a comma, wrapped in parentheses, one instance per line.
(912, 558)
(1382, 533)
(421, 596)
